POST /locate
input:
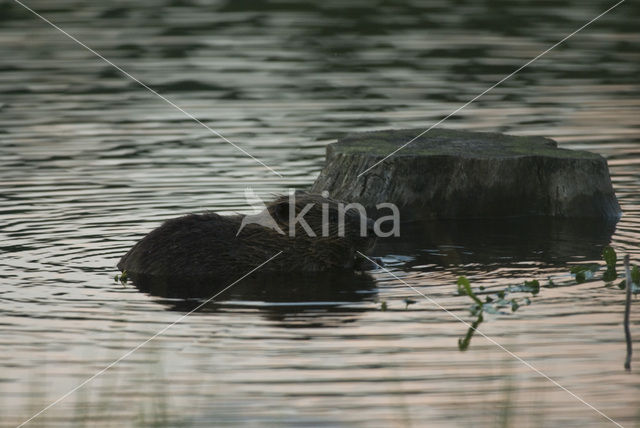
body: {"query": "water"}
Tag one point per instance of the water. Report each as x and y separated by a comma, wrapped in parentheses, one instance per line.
(90, 161)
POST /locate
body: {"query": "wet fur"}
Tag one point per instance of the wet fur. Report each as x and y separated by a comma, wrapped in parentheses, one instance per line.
(207, 245)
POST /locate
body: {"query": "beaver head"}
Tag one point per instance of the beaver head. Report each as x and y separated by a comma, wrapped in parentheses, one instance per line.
(315, 232)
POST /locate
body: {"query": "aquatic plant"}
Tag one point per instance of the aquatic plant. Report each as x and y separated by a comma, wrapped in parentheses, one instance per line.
(122, 279)
(584, 272)
(610, 275)
(610, 258)
(408, 302)
(494, 303)
(627, 311)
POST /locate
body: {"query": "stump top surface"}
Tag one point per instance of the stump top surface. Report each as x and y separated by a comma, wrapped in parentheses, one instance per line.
(448, 142)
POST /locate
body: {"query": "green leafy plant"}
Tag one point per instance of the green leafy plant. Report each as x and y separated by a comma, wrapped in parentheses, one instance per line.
(610, 258)
(494, 303)
(532, 287)
(611, 274)
(635, 281)
(464, 288)
(463, 344)
(584, 272)
(122, 279)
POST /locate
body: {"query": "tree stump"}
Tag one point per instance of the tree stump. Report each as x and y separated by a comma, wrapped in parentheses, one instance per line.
(459, 174)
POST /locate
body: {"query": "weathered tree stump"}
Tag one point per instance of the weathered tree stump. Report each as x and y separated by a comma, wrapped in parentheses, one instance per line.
(458, 174)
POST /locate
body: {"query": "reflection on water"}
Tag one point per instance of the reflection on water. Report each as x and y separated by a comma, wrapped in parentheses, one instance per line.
(291, 300)
(505, 241)
(90, 162)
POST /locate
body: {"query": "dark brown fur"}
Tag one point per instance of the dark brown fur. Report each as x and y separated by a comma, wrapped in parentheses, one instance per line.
(207, 245)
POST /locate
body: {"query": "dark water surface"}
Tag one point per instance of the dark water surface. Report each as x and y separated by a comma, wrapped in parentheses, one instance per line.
(90, 161)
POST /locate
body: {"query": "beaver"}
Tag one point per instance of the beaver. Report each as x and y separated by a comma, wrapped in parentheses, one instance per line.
(228, 247)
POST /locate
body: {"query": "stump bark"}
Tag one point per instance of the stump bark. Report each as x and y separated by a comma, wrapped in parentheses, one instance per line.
(459, 174)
